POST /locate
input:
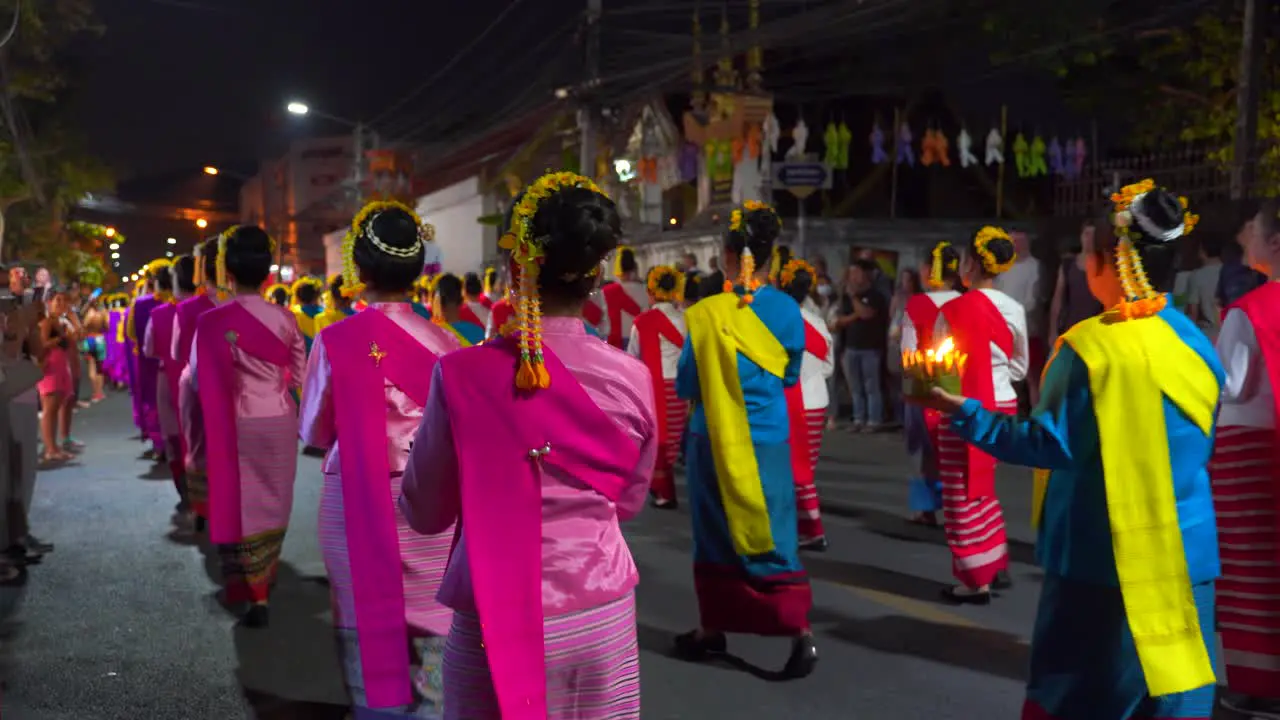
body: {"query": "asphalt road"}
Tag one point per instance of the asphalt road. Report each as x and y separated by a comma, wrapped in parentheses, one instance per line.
(120, 622)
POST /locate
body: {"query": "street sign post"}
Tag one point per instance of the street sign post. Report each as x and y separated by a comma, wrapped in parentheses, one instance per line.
(801, 179)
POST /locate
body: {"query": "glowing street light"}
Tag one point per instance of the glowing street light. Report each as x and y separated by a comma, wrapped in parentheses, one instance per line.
(202, 223)
(113, 246)
(111, 232)
(298, 108)
(210, 170)
(169, 254)
(172, 241)
(115, 256)
(134, 278)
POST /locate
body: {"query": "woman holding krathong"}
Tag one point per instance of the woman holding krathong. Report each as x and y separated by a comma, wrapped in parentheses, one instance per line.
(807, 400)
(384, 576)
(247, 355)
(1127, 537)
(921, 425)
(541, 581)
(744, 347)
(657, 337)
(989, 329)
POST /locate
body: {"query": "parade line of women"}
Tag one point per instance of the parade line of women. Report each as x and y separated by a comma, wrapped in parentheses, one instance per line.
(571, 406)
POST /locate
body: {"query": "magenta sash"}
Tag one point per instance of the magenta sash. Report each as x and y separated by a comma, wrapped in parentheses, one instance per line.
(189, 311)
(362, 351)
(162, 347)
(219, 329)
(503, 437)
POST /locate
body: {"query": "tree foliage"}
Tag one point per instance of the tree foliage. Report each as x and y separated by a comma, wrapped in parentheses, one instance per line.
(1170, 75)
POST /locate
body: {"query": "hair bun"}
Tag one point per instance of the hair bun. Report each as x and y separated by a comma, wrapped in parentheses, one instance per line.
(250, 240)
(1158, 217)
(396, 229)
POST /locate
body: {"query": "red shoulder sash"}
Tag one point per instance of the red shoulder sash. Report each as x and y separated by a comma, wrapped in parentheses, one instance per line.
(923, 313)
(1262, 306)
(817, 346)
(617, 301)
(592, 313)
(653, 326)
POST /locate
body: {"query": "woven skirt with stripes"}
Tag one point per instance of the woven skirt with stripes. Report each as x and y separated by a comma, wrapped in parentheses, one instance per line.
(677, 416)
(593, 666)
(249, 567)
(1245, 486)
(807, 509)
(974, 526)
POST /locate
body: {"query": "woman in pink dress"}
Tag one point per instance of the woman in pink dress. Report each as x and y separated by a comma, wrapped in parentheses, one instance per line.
(247, 355)
(367, 381)
(538, 477)
(56, 386)
(193, 513)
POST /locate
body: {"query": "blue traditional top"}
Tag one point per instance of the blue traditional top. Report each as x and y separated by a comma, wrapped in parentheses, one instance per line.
(766, 405)
(1061, 435)
(472, 332)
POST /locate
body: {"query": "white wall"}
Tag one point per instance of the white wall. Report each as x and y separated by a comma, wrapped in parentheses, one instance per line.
(464, 243)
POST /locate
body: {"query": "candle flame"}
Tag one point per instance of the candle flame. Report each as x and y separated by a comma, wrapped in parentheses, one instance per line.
(946, 347)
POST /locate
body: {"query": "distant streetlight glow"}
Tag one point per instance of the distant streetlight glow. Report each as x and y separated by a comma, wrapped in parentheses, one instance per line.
(298, 108)
(169, 254)
(202, 223)
(275, 268)
(113, 246)
(173, 241)
(210, 170)
(134, 278)
(111, 232)
(115, 256)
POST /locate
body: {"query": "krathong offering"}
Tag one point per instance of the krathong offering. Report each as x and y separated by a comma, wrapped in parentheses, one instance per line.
(922, 371)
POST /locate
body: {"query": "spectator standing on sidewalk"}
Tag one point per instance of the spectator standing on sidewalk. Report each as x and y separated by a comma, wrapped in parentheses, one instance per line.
(863, 324)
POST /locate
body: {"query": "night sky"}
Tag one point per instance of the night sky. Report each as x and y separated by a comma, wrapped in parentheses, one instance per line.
(177, 84)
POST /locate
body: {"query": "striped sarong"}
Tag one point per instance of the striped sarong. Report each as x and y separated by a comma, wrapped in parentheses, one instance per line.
(975, 527)
(809, 514)
(593, 666)
(1244, 480)
(663, 485)
(425, 660)
(249, 566)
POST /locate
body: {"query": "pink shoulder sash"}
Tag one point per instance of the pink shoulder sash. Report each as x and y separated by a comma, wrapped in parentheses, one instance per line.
(503, 438)
(219, 329)
(362, 351)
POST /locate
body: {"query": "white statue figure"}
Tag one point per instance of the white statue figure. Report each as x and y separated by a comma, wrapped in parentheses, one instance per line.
(800, 134)
(964, 142)
(995, 148)
(772, 132)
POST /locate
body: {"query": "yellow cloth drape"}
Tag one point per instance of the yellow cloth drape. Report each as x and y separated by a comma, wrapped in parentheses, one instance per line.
(306, 323)
(720, 328)
(1146, 537)
(327, 317)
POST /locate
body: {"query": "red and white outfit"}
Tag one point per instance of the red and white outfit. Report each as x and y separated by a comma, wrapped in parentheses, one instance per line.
(657, 338)
(499, 314)
(807, 403)
(991, 329)
(1245, 472)
(623, 302)
(474, 312)
(593, 312)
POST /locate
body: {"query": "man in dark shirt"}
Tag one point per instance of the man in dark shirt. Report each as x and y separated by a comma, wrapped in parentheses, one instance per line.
(863, 324)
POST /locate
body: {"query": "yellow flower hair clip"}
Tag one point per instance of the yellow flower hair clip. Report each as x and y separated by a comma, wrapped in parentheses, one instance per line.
(939, 267)
(794, 266)
(980, 244)
(654, 282)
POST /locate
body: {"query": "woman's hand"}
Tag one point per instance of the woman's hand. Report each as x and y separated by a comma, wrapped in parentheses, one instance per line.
(940, 400)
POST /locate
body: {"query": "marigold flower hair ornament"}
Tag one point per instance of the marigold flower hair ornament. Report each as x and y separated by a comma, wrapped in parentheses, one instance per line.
(362, 226)
(981, 242)
(939, 268)
(793, 266)
(1140, 298)
(527, 255)
(747, 270)
(617, 259)
(654, 281)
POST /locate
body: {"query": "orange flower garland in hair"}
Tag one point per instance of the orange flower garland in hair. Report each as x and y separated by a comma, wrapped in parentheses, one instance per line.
(747, 270)
(939, 267)
(1140, 298)
(794, 266)
(528, 255)
(654, 281)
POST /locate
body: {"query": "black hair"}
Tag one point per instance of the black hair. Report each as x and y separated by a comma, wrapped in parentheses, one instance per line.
(1002, 251)
(800, 286)
(1232, 253)
(249, 256)
(280, 296)
(580, 227)
(384, 271)
(627, 260)
(950, 270)
(668, 281)
(473, 285)
(760, 230)
(1160, 212)
(209, 258)
(449, 289)
(308, 294)
(693, 280)
(164, 280)
(335, 291)
(184, 273)
(868, 266)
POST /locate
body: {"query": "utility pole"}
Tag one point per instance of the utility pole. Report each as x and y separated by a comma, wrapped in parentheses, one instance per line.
(1252, 49)
(589, 114)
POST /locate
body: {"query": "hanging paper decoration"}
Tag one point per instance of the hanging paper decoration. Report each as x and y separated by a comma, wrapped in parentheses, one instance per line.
(878, 155)
(720, 168)
(1082, 151)
(688, 162)
(647, 169)
(831, 145)
(1035, 159)
(800, 138)
(772, 132)
(928, 150)
(1057, 164)
(1020, 159)
(906, 153)
(995, 148)
(942, 148)
(964, 142)
(844, 137)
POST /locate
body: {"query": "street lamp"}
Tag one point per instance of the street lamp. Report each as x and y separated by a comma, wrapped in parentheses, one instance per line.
(115, 256)
(111, 232)
(210, 170)
(172, 241)
(359, 130)
(298, 108)
(113, 246)
(202, 223)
